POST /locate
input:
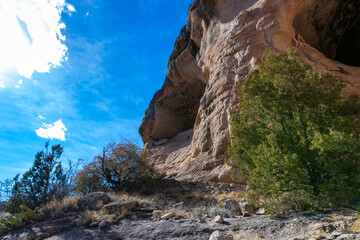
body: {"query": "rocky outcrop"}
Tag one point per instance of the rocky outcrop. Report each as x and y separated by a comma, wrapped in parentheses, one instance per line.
(186, 127)
(93, 201)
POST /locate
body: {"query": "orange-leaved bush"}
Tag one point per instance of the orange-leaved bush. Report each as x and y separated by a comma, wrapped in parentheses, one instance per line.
(118, 165)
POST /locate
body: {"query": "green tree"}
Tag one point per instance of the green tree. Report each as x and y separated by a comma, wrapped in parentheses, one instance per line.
(43, 182)
(296, 135)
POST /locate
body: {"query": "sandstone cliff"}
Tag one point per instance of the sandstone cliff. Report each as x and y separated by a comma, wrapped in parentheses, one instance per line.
(186, 127)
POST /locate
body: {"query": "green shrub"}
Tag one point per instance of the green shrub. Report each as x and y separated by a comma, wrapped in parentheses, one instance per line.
(295, 137)
(43, 182)
(25, 217)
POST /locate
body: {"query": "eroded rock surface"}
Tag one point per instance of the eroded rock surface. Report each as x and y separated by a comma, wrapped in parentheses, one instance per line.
(222, 41)
(295, 227)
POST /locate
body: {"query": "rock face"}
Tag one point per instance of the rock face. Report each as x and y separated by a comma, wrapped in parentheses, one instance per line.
(221, 43)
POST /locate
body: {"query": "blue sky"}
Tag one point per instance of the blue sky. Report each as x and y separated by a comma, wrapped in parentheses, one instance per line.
(79, 73)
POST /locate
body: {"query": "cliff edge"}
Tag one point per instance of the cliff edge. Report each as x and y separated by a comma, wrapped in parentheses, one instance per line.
(186, 127)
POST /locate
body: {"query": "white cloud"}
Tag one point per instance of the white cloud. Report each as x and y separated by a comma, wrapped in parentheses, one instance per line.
(2, 84)
(53, 131)
(70, 8)
(41, 117)
(19, 83)
(31, 38)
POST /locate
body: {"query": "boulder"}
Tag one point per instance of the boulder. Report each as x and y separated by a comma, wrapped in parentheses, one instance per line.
(93, 201)
(219, 219)
(232, 206)
(120, 206)
(246, 208)
(261, 211)
(217, 235)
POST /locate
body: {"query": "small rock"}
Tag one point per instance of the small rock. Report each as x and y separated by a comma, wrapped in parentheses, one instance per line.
(94, 224)
(166, 216)
(246, 209)
(261, 211)
(178, 205)
(217, 235)
(219, 219)
(103, 224)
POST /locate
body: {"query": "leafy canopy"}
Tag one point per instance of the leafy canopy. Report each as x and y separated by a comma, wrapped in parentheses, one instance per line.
(295, 134)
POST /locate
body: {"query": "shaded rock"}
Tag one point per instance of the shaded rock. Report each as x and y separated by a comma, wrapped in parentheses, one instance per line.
(217, 235)
(93, 201)
(41, 230)
(94, 224)
(161, 142)
(103, 224)
(219, 219)
(120, 206)
(232, 206)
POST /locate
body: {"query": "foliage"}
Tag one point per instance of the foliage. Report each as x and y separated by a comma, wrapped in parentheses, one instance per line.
(295, 136)
(89, 179)
(117, 166)
(44, 181)
(5, 189)
(26, 216)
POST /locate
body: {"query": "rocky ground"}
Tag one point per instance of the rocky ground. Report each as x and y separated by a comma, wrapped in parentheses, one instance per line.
(299, 226)
(183, 211)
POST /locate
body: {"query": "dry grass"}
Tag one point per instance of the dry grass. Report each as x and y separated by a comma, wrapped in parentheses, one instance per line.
(356, 225)
(232, 195)
(56, 208)
(142, 200)
(88, 217)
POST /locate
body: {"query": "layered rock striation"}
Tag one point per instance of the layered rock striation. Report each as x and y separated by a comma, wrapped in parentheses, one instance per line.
(187, 125)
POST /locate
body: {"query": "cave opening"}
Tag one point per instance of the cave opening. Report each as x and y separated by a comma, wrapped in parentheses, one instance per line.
(332, 27)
